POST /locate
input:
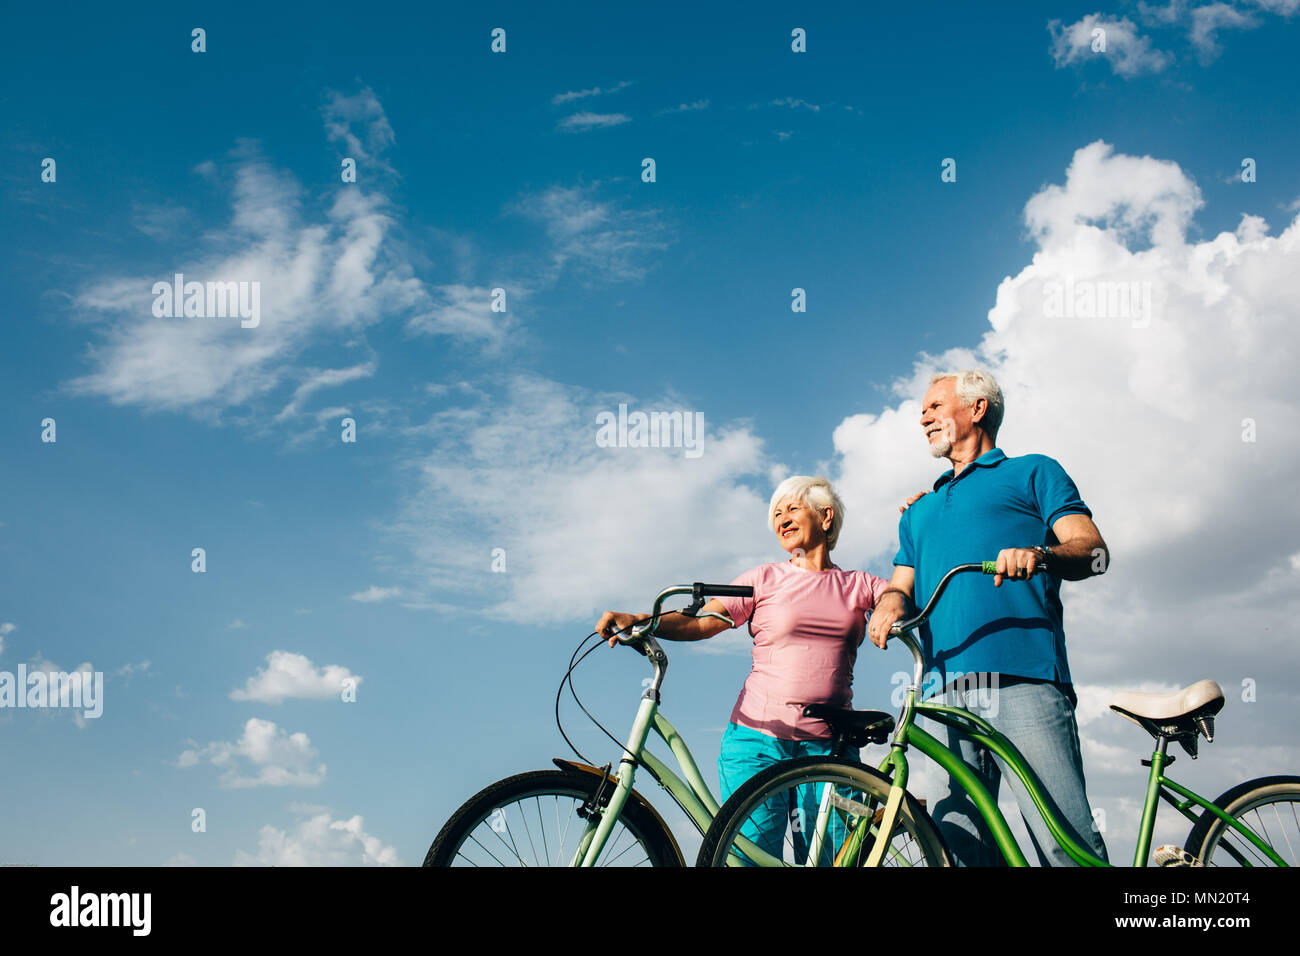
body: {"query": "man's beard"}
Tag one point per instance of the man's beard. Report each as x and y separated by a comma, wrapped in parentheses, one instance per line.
(941, 448)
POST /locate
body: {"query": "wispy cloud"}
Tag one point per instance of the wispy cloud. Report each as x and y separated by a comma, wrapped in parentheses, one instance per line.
(581, 122)
(375, 593)
(603, 241)
(359, 123)
(572, 95)
(684, 107)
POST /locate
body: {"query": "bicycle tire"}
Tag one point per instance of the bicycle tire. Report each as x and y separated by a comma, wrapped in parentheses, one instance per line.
(1212, 842)
(916, 839)
(514, 836)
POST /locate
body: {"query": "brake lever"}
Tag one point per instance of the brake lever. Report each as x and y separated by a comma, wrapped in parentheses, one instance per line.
(693, 608)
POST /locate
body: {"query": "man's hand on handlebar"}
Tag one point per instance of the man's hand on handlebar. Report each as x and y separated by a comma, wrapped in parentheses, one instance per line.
(612, 622)
(1018, 564)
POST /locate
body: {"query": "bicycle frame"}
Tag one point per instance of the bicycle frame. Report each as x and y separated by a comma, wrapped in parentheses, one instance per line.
(1159, 786)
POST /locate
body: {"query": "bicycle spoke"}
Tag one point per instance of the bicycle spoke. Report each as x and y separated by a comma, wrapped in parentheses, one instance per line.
(537, 804)
(1282, 828)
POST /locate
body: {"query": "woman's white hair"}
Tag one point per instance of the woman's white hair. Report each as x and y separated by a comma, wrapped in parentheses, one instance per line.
(816, 493)
(972, 384)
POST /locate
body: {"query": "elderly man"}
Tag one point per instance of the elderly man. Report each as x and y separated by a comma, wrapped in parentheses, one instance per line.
(1027, 511)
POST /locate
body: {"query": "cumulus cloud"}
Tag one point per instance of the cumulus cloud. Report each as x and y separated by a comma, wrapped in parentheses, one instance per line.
(319, 840)
(287, 675)
(1126, 51)
(271, 757)
(6, 628)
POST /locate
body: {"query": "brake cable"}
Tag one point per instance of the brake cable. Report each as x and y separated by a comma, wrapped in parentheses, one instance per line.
(568, 677)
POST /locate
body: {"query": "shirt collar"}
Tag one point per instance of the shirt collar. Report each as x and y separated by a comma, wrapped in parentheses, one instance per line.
(986, 460)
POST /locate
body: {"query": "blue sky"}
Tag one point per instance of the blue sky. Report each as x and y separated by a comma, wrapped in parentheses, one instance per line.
(475, 429)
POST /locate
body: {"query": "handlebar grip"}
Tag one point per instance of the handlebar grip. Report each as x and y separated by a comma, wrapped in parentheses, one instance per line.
(991, 567)
(723, 590)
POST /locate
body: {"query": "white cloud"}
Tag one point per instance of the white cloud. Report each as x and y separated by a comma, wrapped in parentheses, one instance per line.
(376, 593)
(523, 472)
(465, 312)
(324, 276)
(583, 94)
(319, 840)
(795, 103)
(343, 113)
(6, 628)
(685, 107)
(599, 239)
(581, 122)
(1128, 53)
(1208, 20)
(287, 675)
(315, 379)
(181, 859)
(277, 758)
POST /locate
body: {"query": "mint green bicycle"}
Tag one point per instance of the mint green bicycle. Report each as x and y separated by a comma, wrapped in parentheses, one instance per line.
(583, 815)
(866, 817)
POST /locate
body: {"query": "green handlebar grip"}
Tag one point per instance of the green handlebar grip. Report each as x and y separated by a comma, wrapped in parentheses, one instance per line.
(990, 567)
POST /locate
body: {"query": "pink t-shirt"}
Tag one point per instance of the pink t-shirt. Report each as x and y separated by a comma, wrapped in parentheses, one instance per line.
(807, 626)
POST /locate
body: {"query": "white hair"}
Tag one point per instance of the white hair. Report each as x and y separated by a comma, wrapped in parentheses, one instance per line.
(972, 384)
(816, 493)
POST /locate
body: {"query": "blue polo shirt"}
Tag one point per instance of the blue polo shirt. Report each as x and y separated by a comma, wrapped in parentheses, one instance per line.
(995, 503)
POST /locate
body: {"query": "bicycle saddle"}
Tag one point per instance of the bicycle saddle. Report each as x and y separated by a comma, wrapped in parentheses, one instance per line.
(1178, 716)
(857, 727)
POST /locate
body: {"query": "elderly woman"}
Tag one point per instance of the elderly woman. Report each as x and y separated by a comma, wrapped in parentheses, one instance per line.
(807, 618)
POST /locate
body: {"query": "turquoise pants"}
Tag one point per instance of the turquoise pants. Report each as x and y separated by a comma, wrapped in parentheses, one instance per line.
(745, 752)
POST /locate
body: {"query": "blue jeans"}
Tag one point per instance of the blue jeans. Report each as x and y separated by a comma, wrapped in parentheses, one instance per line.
(745, 752)
(1039, 719)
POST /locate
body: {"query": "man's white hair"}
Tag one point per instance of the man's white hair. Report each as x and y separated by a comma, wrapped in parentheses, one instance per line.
(816, 493)
(972, 384)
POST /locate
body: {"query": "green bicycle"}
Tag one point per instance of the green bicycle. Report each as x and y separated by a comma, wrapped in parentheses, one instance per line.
(866, 817)
(583, 815)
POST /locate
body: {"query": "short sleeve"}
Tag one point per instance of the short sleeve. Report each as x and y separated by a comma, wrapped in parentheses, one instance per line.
(906, 553)
(740, 609)
(1055, 493)
(870, 589)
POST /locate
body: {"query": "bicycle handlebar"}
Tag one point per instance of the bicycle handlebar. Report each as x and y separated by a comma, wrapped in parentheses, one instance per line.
(984, 567)
(698, 591)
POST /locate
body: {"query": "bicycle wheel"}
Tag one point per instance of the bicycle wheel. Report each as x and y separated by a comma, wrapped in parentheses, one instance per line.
(1269, 806)
(532, 820)
(783, 809)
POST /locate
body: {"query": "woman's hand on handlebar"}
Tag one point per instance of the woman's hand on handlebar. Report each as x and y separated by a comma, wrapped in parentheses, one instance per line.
(612, 622)
(890, 609)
